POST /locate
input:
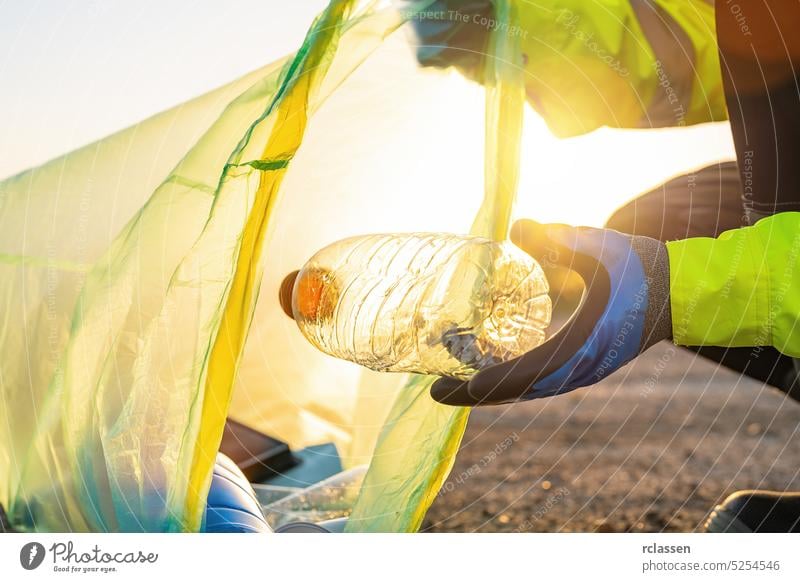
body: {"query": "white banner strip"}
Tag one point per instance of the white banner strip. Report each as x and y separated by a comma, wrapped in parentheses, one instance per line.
(376, 557)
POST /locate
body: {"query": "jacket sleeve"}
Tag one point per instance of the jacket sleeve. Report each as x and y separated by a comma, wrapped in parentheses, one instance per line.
(621, 63)
(741, 289)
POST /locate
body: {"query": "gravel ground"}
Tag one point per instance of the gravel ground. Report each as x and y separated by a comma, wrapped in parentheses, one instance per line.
(652, 448)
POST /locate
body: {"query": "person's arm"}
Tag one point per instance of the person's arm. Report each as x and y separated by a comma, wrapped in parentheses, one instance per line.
(741, 289)
(619, 63)
(622, 64)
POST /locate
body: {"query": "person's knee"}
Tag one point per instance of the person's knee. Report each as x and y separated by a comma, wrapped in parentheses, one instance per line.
(702, 203)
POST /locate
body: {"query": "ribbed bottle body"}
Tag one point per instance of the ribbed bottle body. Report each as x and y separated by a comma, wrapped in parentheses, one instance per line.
(428, 303)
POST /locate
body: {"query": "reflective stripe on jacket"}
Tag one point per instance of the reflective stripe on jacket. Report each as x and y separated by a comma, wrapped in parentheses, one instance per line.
(741, 289)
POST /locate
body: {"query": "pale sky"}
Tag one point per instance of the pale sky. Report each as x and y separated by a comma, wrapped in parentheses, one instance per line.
(72, 71)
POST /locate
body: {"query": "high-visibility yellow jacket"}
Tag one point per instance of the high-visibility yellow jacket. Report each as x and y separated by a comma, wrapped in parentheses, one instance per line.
(741, 289)
(621, 63)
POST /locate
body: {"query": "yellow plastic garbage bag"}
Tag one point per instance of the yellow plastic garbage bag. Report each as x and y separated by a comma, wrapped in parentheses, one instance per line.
(139, 277)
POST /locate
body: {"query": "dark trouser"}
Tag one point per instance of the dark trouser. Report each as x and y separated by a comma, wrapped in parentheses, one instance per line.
(706, 203)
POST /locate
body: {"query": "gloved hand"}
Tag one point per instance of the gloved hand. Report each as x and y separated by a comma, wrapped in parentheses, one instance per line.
(451, 33)
(625, 310)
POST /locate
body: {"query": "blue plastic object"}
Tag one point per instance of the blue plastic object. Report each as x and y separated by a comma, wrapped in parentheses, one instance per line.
(316, 463)
(232, 506)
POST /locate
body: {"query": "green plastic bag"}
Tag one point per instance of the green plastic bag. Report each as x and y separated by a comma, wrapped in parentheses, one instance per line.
(403, 480)
(140, 273)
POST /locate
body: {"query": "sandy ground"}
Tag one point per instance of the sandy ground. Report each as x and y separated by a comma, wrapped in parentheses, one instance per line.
(652, 448)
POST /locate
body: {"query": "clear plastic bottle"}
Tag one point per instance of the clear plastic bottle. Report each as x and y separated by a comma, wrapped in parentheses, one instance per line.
(434, 303)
